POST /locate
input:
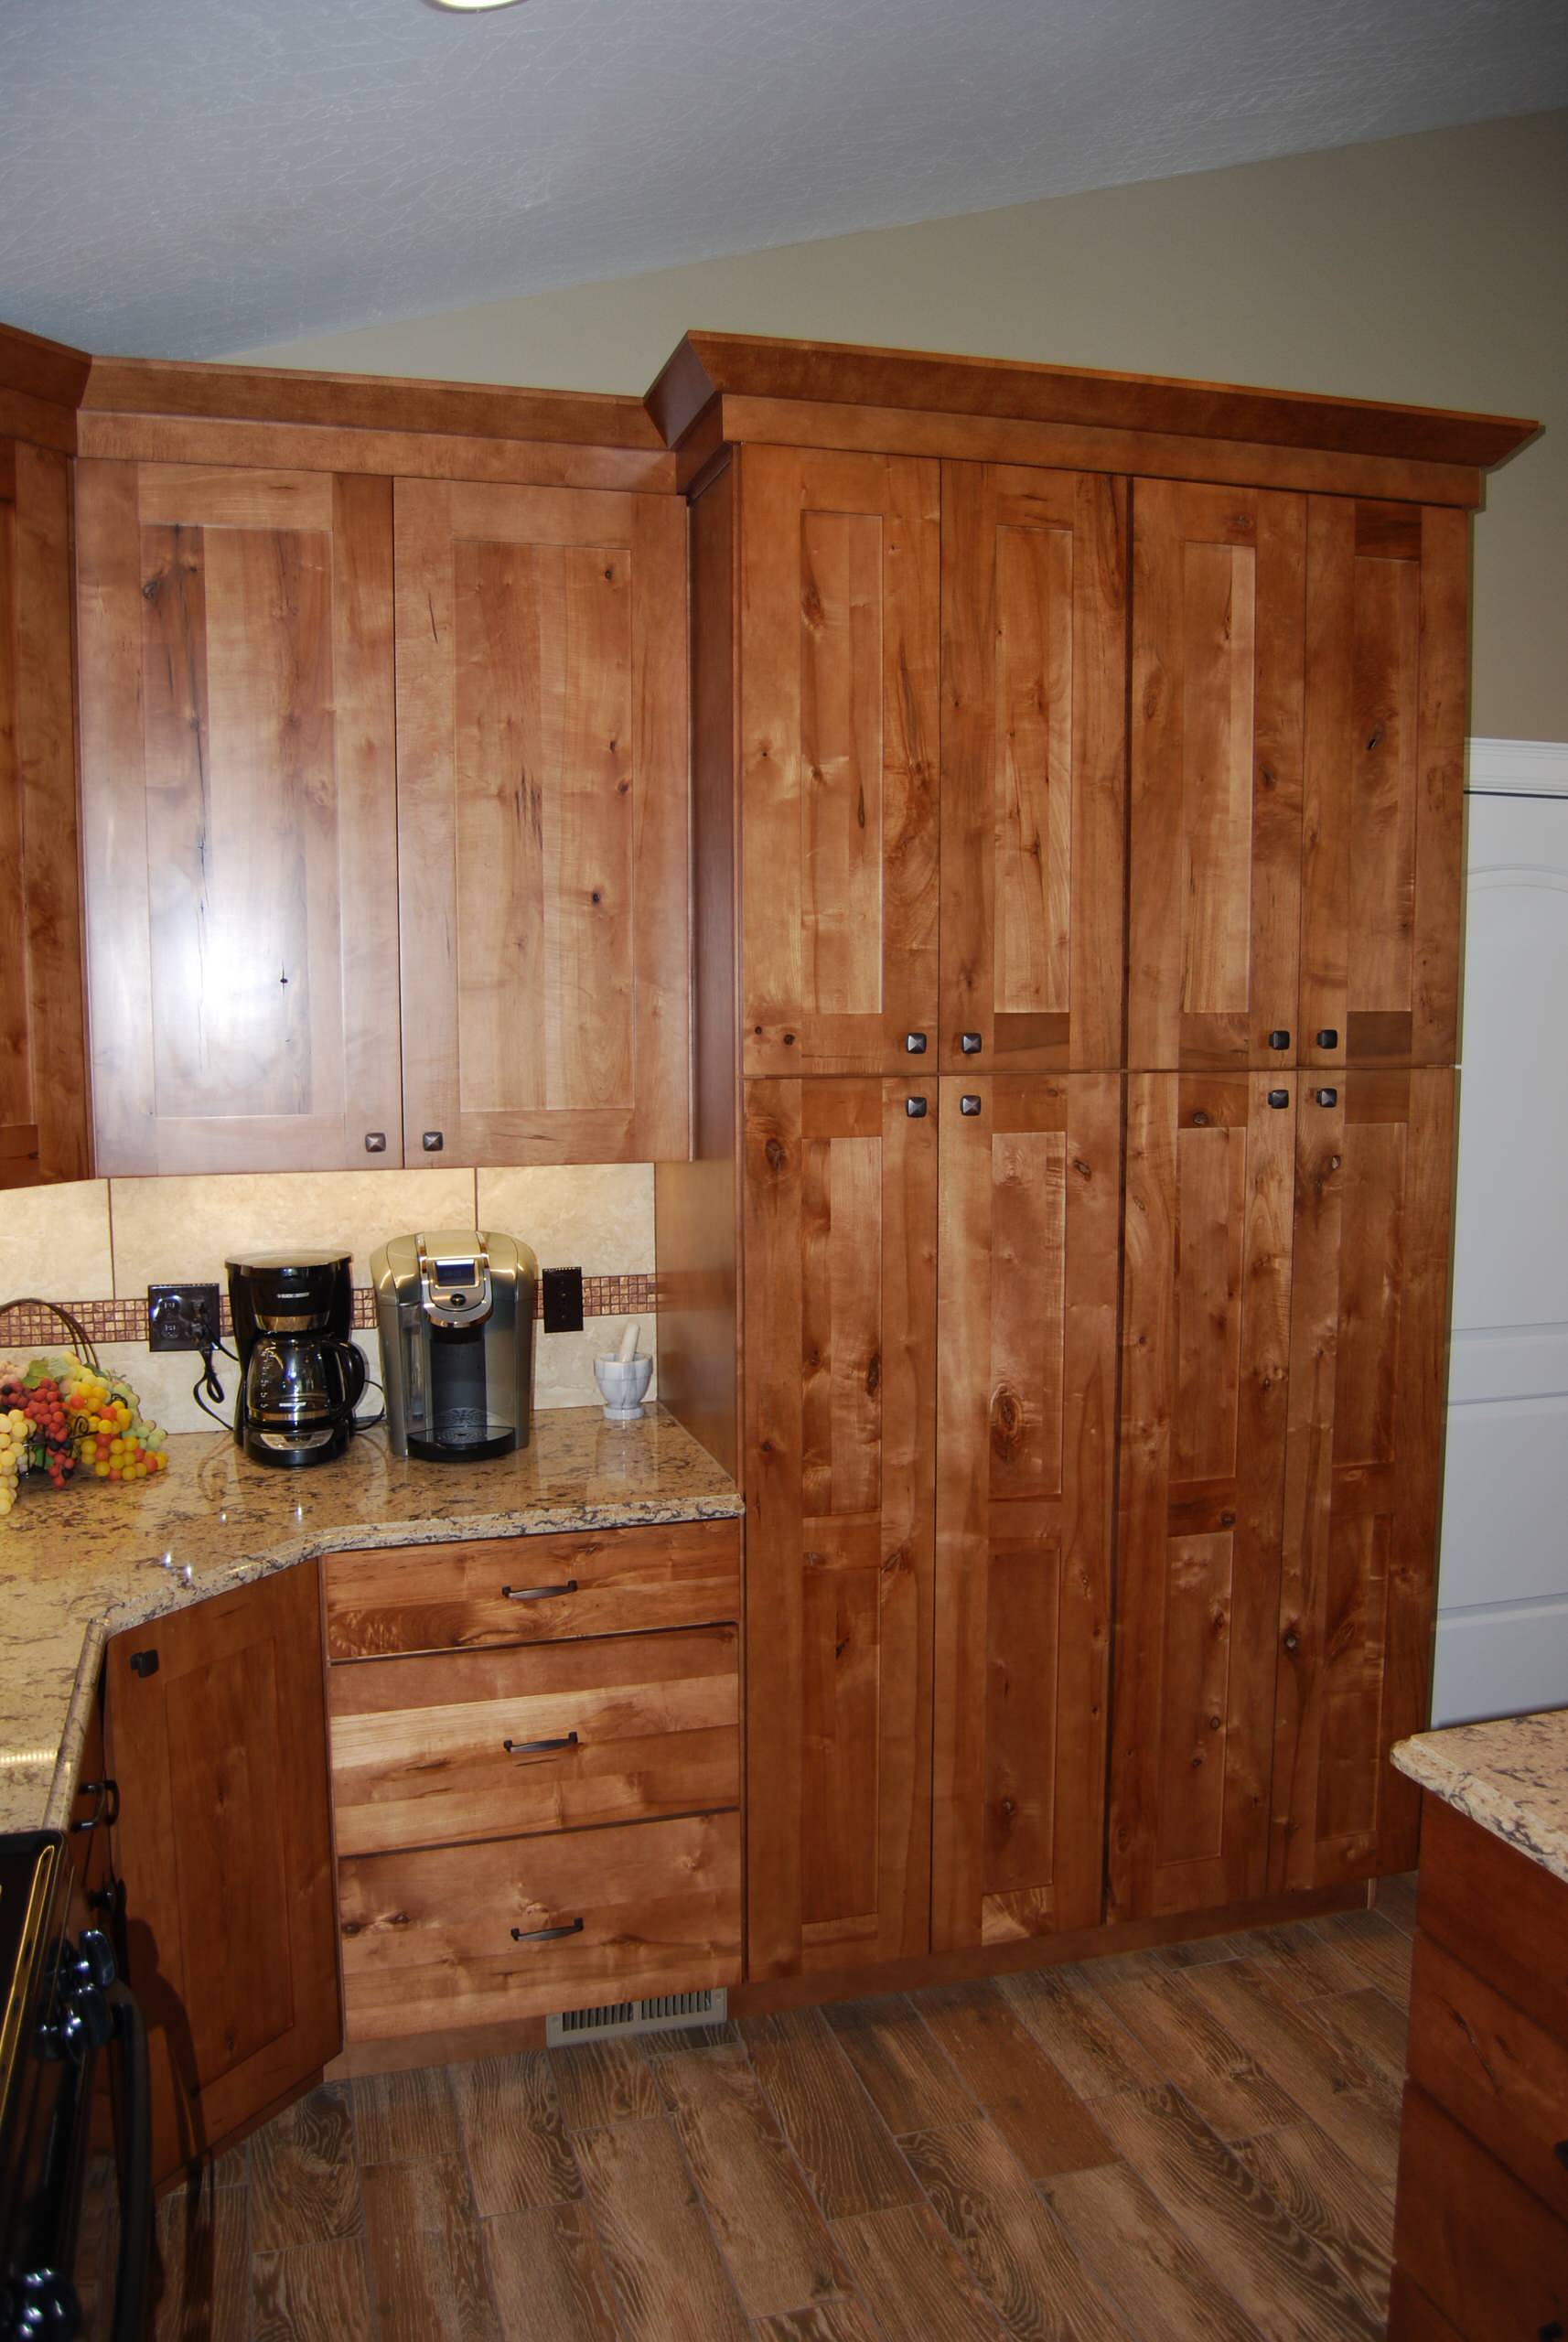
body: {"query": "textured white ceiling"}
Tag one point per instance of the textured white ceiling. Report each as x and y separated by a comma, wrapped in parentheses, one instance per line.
(186, 177)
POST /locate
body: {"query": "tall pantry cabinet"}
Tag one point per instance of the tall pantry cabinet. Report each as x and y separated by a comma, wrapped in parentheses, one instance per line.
(1078, 870)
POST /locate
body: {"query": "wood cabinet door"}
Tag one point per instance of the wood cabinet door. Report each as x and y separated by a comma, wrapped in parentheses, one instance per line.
(217, 1736)
(44, 1126)
(1025, 1442)
(840, 1231)
(1386, 655)
(1218, 605)
(840, 626)
(1034, 767)
(541, 824)
(1205, 1351)
(1369, 1362)
(239, 817)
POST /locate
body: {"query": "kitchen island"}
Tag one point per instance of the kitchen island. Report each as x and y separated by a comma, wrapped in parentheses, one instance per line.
(1481, 2225)
(78, 1566)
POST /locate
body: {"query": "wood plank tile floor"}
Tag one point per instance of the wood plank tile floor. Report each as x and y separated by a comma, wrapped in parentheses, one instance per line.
(1193, 2143)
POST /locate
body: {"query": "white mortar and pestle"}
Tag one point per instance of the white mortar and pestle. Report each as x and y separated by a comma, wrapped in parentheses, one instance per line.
(623, 1379)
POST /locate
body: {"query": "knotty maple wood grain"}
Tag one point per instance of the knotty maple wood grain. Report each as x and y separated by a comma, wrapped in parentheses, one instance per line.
(1219, 597)
(387, 454)
(238, 787)
(841, 1227)
(839, 599)
(1206, 1304)
(541, 732)
(1027, 1305)
(1017, 2251)
(1034, 765)
(1374, 1202)
(1501, 2076)
(1488, 2251)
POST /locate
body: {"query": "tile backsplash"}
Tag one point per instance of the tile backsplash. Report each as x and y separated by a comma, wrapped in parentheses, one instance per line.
(105, 1240)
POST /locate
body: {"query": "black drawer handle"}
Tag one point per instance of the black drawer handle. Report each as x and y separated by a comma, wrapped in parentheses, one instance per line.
(538, 1592)
(1326, 1097)
(106, 1811)
(1560, 2152)
(546, 1935)
(1279, 1040)
(969, 1044)
(1279, 1097)
(1328, 1036)
(914, 1108)
(538, 1748)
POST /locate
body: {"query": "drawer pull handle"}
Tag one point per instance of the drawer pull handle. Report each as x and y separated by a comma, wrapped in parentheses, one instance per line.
(546, 1935)
(106, 1811)
(538, 1592)
(538, 1748)
(1560, 2150)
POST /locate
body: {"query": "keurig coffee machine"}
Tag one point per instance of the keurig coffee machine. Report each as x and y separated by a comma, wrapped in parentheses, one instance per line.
(455, 1311)
(300, 1375)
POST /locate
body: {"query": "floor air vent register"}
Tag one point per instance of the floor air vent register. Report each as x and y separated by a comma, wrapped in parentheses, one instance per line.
(666, 2013)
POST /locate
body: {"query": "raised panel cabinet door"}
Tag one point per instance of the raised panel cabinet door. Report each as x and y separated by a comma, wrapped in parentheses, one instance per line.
(217, 1736)
(541, 824)
(1369, 1362)
(1034, 767)
(45, 1132)
(1205, 1353)
(1027, 1285)
(239, 817)
(1219, 612)
(1386, 658)
(840, 651)
(840, 1213)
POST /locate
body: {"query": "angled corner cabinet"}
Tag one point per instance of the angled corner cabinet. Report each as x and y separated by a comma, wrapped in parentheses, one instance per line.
(1063, 1260)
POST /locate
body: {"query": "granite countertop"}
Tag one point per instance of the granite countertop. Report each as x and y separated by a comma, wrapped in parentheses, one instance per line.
(77, 1565)
(1512, 1777)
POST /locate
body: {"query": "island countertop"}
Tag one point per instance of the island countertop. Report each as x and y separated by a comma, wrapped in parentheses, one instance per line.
(77, 1565)
(1512, 1777)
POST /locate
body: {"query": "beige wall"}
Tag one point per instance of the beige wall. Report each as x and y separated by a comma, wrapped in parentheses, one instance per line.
(101, 1239)
(1431, 269)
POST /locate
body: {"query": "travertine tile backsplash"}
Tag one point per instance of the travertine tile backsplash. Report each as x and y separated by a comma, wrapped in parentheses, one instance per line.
(101, 1239)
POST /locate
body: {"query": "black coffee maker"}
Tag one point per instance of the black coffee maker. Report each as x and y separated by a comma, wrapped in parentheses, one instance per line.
(300, 1375)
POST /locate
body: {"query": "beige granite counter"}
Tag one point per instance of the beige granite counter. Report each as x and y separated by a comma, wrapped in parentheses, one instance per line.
(1512, 1777)
(77, 1565)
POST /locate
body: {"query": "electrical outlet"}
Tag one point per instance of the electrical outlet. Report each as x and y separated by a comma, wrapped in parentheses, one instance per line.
(563, 1300)
(182, 1316)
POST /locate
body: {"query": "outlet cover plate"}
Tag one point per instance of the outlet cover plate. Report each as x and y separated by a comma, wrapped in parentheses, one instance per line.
(181, 1316)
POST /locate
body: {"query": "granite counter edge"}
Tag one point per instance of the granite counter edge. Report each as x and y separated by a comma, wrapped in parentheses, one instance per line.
(167, 1589)
(1501, 1809)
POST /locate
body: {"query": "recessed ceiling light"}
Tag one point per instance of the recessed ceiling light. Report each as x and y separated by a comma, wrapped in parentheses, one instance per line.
(467, 7)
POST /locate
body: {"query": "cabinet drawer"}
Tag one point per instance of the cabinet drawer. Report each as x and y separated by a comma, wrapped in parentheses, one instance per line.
(1488, 2252)
(531, 1589)
(1493, 2068)
(419, 1745)
(428, 1939)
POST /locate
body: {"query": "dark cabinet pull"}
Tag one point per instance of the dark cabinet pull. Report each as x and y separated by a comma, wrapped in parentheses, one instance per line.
(969, 1044)
(1328, 1037)
(433, 1141)
(538, 1748)
(968, 1104)
(1560, 2150)
(538, 1592)
(915, 1045)
(1279, 1097)
(1326, 1097)
(914, 1108)
(144, 1663)
(375, 1142)
(1279, 1040)
(106, 1812)
(546, 1935)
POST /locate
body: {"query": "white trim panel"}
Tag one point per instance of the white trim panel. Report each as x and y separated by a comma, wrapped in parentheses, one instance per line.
(1517, 767)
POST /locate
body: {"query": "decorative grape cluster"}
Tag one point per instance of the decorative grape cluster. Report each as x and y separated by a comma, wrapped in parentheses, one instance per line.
(58, 1413)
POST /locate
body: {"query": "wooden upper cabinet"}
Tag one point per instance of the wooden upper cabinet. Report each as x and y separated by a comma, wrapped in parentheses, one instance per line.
(1034, 767)
(840, 1326)
(217, 1736)
(1026, 1459)
(541, 822)
(238, 792)
(1386, 655)
(44, 1131)
(1218, 609)
(840, 589)
(1205, 1347)
(1374, 1186)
